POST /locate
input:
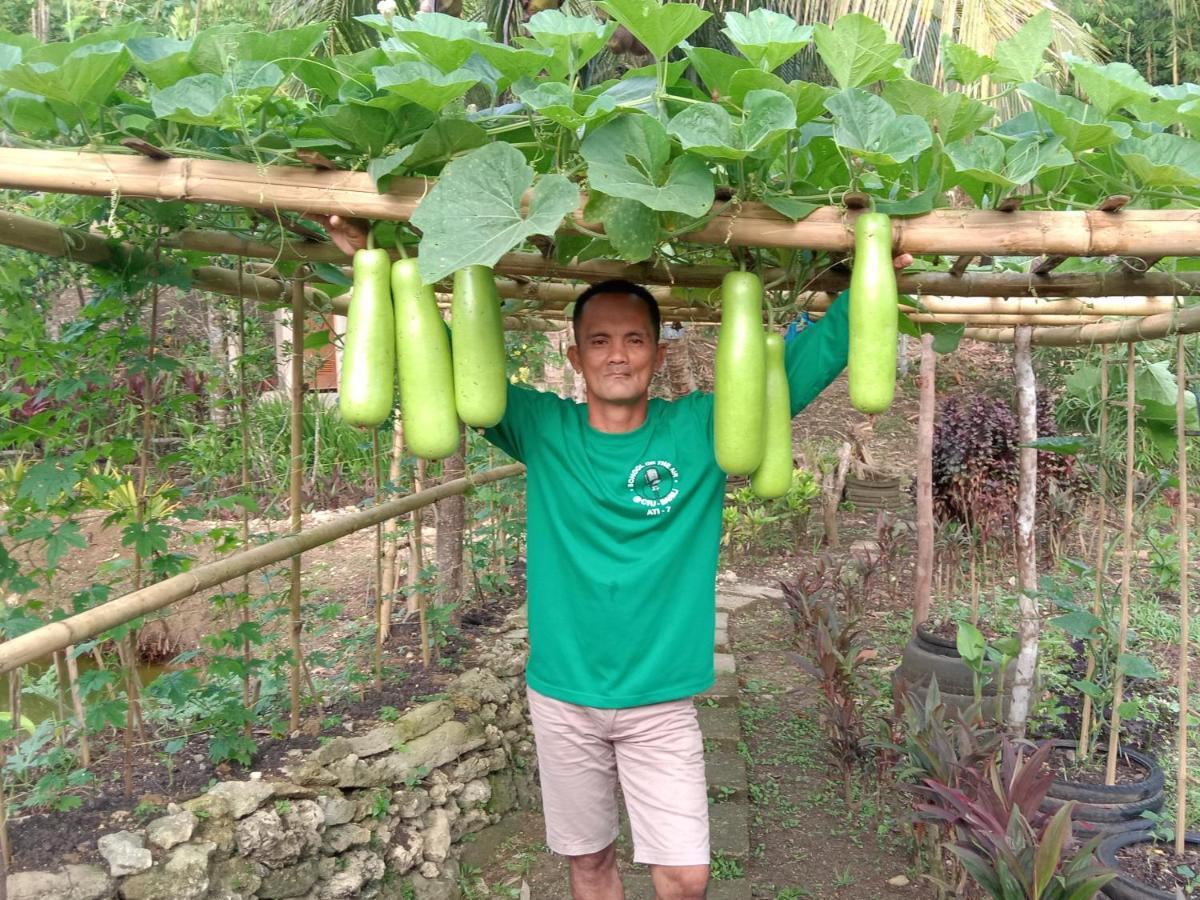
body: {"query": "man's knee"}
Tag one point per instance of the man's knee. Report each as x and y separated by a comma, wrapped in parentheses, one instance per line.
(589, 863)
(681, 882)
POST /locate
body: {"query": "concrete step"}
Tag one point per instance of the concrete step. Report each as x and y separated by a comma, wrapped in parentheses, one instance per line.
(724, 662)
(724, 691)
(725, 773)
(729, 829)
(720, 724)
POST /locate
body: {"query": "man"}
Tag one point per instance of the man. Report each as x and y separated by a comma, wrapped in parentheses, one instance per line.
(624, 525)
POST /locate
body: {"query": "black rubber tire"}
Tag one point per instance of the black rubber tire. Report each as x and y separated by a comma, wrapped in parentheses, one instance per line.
(935, 643)
(919, 666)
(1123, 887)
(1085, 831)
(1109, 794)
(1107, 813)
(962, 702)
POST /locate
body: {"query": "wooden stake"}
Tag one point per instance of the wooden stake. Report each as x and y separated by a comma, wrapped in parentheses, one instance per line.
(244, 426)
(85, 752)
(381, 623)
(1185, 647)
(1026, 668)
(922, 597)
(389, 534)
(297, 462)
(1114, 728)
(1085, 726)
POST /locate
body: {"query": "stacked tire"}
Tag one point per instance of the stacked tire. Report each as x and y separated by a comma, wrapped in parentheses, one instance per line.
(1125, 887)
(1109, 809)
(928, 656)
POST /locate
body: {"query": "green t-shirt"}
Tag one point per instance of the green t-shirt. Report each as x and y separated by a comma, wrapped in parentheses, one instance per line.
(624, 531)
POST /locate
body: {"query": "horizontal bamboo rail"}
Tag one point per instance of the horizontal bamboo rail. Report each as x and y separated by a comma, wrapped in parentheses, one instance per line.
(1186, 321)
(85, 625)
(1130, 232)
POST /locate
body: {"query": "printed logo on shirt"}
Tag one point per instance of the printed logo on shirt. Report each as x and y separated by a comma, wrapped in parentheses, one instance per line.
(653, 485)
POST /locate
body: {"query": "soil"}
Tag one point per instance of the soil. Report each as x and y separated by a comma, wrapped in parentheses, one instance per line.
(1065, 766)
(1157, 865)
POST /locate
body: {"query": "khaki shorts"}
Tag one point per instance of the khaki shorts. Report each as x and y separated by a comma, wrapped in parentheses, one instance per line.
(657, 753)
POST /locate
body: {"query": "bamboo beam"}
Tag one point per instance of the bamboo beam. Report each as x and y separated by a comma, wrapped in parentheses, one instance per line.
(948, 232)
(1186, 321)
(85, 625)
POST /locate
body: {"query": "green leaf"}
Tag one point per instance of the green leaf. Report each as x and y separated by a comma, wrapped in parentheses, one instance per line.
(445, 139)
(445, 41)
(1157, 391)
(472, 216)
(553, 99)
(1135, 666)
(1023, 56)
(367, 128)
(708, 129)
(956, 115)
(716, 69)
(628, 157)
(515, 63)
(970, 642)
(946, 338)
(632, 227)
(1064, 444)
(857, 50)
(1165, 105)
(1081, 127)
(1162, 438)
(1090, 688)
(424, 84)
(317, 339)
(790, 207)
(28, 114)
(915, 205)
(1163, 160)
(162, 60)
(659, 26)
(628, 93)
(66, 536)
(868, 127)
(572, 39)
(808, 99)
(1111, 87)
(84, 79)
(147, 538)
(963, 64)
(46, 481)
(765, 37)
(219, 49)
(196, 100)
(988, 159)
(384, 168)
(1079, 624)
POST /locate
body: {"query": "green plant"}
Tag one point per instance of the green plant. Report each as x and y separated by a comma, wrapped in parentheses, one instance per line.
(725, 868)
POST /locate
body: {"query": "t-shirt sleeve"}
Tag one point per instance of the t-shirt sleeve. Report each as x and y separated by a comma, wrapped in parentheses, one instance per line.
(522, 412)
(817, 355)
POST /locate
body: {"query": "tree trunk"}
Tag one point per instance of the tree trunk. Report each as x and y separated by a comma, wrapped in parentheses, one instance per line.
(922, 593)
(450, 516)
(832, 484)
(1026, 551)
(679, 362)
(556, 371)
(218, 349)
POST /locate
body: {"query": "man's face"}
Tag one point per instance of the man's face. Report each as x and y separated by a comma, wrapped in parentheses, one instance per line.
(615, 349)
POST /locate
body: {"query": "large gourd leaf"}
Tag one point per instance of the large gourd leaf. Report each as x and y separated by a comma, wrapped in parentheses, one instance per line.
(988, 159)
(766, 38)
(424, 84)
(708, 129)
(219, 49)
(628, 157)
(472, 216)
(808, 99)
(715, 68)
(1081, 127)
(857, 50)
(866, 126)
(573, 40)
(659, 26)
(445, 41)
(1164, 105)
(1023, 56)
(83, 80)
(162, 60)
(964, 64)
(1111, 87)
(1163, 160)
(632, 227)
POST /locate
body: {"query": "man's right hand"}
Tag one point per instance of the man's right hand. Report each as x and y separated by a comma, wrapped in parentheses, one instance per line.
(349, 234)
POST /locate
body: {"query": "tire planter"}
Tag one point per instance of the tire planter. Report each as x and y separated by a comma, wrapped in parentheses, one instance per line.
(988, 706)
(871, 493)
(1124, 887)
(919, 665)
(935, 643)
(1109, 809)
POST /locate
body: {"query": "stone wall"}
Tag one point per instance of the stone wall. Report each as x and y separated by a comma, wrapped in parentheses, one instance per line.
(375, 815)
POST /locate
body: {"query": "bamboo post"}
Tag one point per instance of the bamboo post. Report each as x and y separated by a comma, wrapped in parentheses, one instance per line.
(85, 751)
(389, 534)
(416, 539)
(1185, 646)
(1085, 726)
(297, 461)
(379, 583)
(1026, 667)
(1114, 729)
(244, 427)
(922, 600)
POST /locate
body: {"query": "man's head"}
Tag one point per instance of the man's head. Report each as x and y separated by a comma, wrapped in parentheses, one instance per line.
(616, 326)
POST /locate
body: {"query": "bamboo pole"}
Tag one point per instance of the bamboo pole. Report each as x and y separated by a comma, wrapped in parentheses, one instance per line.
(244, 427)
(1185, 321)
(1026, 667)
(949, 232)
(922, 599)
(85, 751)
(91, 622)
(389, 534)
(1114, 728)
(1185, 647)
(295, 490)
(1085, 725)
(1000, 320)
(379, 583)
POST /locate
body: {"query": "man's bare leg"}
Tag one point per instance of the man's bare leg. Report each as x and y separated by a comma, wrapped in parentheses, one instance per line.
(594, 876)
(680, 882)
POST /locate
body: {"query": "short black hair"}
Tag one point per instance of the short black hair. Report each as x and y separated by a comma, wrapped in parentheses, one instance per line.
(617, 286)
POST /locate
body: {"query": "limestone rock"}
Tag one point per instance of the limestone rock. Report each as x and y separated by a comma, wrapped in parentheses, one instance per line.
(393, 736)
(360, 867)
(292, 881)
(437, 835)
(475, 793)
(243, 797)
(71, 882)
(408, 851)
(338, 809)
(280, 841)
(215, 822)
(309, 771)
(411, 803)
(340, 838)
(288, 791)
(475, 687)
(447, 742)
(336, 749)
(125, 853)
(235, 879)
(168, 831)
(184, 877)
